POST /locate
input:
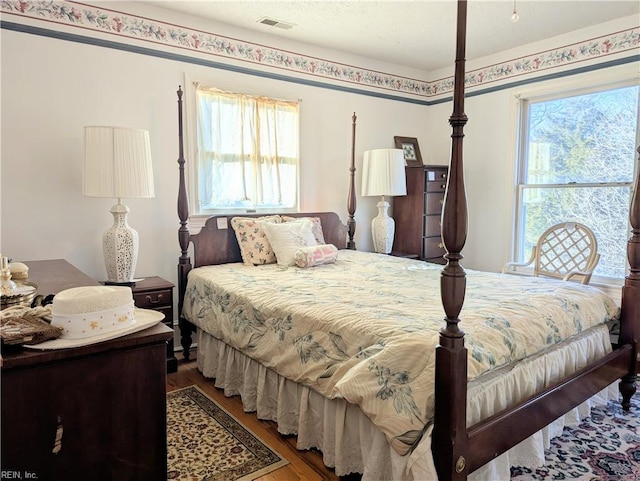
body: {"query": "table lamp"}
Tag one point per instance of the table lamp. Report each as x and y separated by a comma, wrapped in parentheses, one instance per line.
(117, 163)
(383, 174)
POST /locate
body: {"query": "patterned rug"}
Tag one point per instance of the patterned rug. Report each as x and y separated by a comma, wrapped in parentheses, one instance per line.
(204, 442)
(604, 447)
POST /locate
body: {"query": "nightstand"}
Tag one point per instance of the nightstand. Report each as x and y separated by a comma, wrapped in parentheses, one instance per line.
(156, 293)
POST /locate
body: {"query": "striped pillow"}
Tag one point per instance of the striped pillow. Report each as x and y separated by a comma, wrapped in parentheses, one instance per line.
(316, 255)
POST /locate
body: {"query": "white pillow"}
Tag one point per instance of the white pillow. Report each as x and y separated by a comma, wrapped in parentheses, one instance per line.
(287, 238)
(316, 226)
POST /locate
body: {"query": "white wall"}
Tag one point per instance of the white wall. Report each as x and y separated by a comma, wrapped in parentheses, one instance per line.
(52, 88)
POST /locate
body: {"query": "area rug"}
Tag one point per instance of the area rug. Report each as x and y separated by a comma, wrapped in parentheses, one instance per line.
(204, 442)
(604, 447)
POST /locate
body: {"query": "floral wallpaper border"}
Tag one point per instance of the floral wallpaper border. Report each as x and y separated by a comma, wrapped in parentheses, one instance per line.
(88, 17)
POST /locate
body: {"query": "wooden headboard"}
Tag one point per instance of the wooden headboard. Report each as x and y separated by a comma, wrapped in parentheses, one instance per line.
(216, 242)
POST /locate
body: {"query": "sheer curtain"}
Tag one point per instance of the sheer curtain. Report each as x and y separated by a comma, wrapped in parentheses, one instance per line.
(247, 150)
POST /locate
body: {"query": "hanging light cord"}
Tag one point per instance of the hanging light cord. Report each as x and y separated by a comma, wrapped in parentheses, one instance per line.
(514, 16)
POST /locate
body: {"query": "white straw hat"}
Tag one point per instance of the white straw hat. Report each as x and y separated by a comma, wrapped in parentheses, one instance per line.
(92, 314)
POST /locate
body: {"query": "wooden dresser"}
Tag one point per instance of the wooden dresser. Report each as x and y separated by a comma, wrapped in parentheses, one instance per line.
(417, 214)
(95, 412)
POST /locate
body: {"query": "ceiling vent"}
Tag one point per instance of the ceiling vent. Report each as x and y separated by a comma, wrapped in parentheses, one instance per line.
(275, 23)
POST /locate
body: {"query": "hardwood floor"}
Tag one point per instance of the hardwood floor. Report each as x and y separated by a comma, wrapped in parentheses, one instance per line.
(303, 465)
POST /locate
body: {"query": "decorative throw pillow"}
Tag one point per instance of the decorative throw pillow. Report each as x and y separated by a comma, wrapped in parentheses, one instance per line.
(255, 248)
(288, 237)
(316, 255)
(316, 227)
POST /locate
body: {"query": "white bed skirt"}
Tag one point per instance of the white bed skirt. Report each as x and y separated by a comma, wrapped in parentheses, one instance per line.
(349, 441)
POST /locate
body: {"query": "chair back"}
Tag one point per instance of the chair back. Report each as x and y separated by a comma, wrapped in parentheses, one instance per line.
(565, 248)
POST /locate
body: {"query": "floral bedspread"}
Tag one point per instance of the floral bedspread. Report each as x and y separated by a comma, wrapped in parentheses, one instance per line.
(366, 327)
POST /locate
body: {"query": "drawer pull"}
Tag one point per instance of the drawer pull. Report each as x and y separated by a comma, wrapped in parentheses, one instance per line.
(152, 301)
(441, 201)
(443, 186)
(441, 245)
(443, 175)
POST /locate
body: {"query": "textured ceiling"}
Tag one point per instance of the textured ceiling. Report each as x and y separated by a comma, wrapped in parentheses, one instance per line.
(418, 34)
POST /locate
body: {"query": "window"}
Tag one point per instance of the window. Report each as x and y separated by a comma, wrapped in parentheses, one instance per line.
(577, 160)
(247, 152)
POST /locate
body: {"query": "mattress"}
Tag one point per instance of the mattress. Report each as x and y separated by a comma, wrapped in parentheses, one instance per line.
(365, 328)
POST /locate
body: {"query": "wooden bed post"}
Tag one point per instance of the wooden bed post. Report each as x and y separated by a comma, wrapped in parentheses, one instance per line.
(449, 441)
(184, 262)
(630, 328)
(351, 200)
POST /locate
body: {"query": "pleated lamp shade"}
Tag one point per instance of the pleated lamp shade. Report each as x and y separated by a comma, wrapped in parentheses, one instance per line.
(117, 163)
(383, 172)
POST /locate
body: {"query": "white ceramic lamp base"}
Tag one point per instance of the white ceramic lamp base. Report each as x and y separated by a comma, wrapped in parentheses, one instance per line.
(120, 248)
(383, 228)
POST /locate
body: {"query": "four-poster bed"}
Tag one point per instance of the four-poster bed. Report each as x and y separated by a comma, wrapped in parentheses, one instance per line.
(460, 441)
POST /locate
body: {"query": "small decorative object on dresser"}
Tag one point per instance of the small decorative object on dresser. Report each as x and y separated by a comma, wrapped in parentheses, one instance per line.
(409, 146)
(157, 293)
(6, 284)
(14, 293)
(418, 213)
(19, 271)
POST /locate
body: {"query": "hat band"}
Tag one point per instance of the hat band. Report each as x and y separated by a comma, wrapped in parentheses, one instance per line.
(89, 324)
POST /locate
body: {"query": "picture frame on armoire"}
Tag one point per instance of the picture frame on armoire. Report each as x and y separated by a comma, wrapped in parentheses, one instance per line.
(409, 146)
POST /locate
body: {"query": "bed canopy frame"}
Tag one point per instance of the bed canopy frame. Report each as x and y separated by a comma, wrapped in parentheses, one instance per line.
(457, 449)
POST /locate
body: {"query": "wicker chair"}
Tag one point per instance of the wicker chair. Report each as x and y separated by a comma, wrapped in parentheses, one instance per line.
(564, 251)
